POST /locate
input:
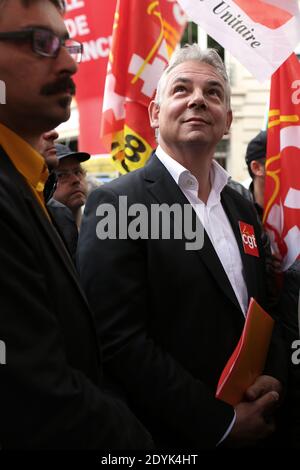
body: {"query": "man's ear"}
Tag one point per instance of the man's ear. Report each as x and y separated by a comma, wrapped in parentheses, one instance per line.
(228, 121)
(153, 111)
(257, 168)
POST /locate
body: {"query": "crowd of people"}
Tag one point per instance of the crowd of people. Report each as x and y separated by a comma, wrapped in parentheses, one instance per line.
(118, 341)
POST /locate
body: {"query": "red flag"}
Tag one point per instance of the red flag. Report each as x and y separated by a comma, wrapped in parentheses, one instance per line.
(145, 33)
(90, 23)
(270, 16)
(282, 191)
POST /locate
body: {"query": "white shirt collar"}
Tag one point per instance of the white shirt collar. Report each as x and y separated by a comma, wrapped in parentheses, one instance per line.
(218, 176)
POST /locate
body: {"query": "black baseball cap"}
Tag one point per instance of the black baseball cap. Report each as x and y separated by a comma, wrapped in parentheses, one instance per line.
(63, 151)
(257, 147)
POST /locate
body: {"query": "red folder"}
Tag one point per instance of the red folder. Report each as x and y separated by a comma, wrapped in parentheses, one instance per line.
(248, 359)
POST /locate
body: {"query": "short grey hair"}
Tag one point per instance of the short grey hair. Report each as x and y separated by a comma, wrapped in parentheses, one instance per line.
(194, 52)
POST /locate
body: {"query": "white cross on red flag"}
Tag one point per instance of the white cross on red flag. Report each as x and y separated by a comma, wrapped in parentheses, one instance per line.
(282, 185)
(145, 33)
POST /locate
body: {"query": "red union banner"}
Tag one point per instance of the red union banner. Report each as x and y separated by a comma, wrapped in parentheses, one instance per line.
(261, 34)
(282, 191)
(90, 22)
(144, 36)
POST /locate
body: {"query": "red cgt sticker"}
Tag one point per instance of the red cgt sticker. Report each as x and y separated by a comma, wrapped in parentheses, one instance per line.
(248, 238)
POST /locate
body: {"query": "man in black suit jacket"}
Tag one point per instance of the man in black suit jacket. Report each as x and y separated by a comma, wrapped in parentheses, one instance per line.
(52, 392)
(170, 316)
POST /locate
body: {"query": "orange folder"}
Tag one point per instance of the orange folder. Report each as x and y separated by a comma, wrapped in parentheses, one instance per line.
(248, 359)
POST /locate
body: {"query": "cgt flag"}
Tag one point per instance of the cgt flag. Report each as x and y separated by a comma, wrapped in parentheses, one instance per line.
(261, 34)
(282, 185)
(91, 24)
(145, 33)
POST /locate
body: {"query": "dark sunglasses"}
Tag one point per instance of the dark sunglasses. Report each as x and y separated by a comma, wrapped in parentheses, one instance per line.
(46, 43)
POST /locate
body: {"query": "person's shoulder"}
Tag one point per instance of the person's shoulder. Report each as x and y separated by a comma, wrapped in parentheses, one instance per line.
(242, 203)
(59, 210)
(240, 189)
(239, 196)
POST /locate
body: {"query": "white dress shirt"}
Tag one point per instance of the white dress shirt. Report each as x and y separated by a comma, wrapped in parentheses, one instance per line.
(214, 220)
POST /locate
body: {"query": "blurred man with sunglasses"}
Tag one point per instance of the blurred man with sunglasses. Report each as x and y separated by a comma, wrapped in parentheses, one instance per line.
(52, 394)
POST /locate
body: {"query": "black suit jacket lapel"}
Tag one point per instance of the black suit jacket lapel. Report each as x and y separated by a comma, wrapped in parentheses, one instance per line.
(163, 187)
(49, 230)
(59, 248)
(53, 237)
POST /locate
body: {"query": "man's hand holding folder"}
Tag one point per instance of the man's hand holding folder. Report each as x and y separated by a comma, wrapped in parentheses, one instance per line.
(255, 414)
(254, 396)
(248, 360)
